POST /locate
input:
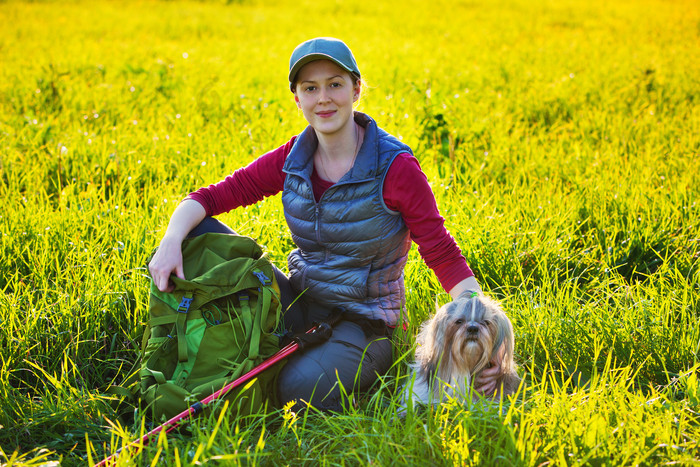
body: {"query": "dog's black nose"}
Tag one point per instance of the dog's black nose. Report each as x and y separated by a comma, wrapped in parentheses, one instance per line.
(472, 328)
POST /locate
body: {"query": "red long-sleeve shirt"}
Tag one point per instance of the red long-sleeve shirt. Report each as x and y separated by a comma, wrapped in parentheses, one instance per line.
(406, 190)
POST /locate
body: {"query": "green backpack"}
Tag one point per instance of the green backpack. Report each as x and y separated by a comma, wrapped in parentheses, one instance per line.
(215, 326)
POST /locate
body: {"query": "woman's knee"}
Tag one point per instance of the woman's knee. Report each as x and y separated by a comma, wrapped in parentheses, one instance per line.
(305, 381)
(210, 225)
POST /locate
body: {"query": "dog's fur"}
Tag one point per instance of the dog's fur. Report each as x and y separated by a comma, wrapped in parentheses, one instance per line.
(454, 347)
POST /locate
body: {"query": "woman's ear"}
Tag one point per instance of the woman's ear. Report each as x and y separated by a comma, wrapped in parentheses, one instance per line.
(296, 100)
(357, 88)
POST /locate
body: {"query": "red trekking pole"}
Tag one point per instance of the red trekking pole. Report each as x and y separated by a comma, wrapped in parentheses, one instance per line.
(316, 334)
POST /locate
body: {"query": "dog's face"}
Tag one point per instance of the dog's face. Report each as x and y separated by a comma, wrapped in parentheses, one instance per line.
(463, 337)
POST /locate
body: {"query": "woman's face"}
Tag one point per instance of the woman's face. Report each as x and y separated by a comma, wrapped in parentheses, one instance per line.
(325, 94)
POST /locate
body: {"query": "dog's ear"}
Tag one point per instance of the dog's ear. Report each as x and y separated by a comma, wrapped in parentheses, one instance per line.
(425, 352)
(431, 344)
(503, 332)
(504, 336)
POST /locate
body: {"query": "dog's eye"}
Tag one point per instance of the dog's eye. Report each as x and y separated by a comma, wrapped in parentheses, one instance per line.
(459, 322)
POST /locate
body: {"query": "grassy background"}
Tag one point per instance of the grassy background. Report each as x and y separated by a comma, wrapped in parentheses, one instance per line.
(561, 140)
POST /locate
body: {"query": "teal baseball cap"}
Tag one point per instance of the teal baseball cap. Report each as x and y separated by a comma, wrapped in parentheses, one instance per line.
(321, 48)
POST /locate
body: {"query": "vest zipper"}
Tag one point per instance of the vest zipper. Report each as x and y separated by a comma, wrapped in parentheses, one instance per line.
(318, 234)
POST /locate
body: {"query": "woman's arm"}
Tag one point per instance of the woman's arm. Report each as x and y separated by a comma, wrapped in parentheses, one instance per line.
(168, 256)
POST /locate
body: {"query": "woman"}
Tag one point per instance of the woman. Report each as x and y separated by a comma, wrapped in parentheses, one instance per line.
(354, 197)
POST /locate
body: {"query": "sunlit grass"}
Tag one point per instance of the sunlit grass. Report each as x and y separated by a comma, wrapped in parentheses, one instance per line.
(561, 140)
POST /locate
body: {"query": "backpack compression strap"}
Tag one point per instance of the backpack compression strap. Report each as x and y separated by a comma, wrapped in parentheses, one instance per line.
(180, 324)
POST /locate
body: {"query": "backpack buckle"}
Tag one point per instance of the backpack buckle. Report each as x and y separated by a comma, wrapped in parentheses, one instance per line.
(185, 304)
(262, 277)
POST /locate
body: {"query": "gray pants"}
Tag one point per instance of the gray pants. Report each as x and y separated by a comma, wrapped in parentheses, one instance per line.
(350, 358)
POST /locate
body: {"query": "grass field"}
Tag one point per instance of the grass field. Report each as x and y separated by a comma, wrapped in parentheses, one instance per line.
(562, 141)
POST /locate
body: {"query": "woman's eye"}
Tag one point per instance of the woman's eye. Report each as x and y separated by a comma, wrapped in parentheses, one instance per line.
(310, 88)
(336, 85)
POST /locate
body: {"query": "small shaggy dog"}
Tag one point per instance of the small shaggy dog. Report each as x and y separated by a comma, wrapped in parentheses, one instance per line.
(459, 342)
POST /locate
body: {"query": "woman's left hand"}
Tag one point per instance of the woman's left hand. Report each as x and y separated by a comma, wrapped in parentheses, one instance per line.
(487, 380)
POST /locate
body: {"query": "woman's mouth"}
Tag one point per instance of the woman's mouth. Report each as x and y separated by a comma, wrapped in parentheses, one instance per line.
(326, 113)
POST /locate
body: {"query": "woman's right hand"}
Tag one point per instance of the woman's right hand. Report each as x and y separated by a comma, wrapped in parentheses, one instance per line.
(168, 257)
(167, 260)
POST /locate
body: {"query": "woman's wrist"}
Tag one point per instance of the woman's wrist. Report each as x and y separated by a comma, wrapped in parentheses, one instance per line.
(186, 216)
(465, 286)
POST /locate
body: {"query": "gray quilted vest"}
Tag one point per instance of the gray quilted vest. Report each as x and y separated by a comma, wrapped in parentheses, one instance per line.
(351, 248)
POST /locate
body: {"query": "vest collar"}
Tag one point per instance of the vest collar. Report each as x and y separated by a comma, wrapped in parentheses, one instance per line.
(300, 159)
